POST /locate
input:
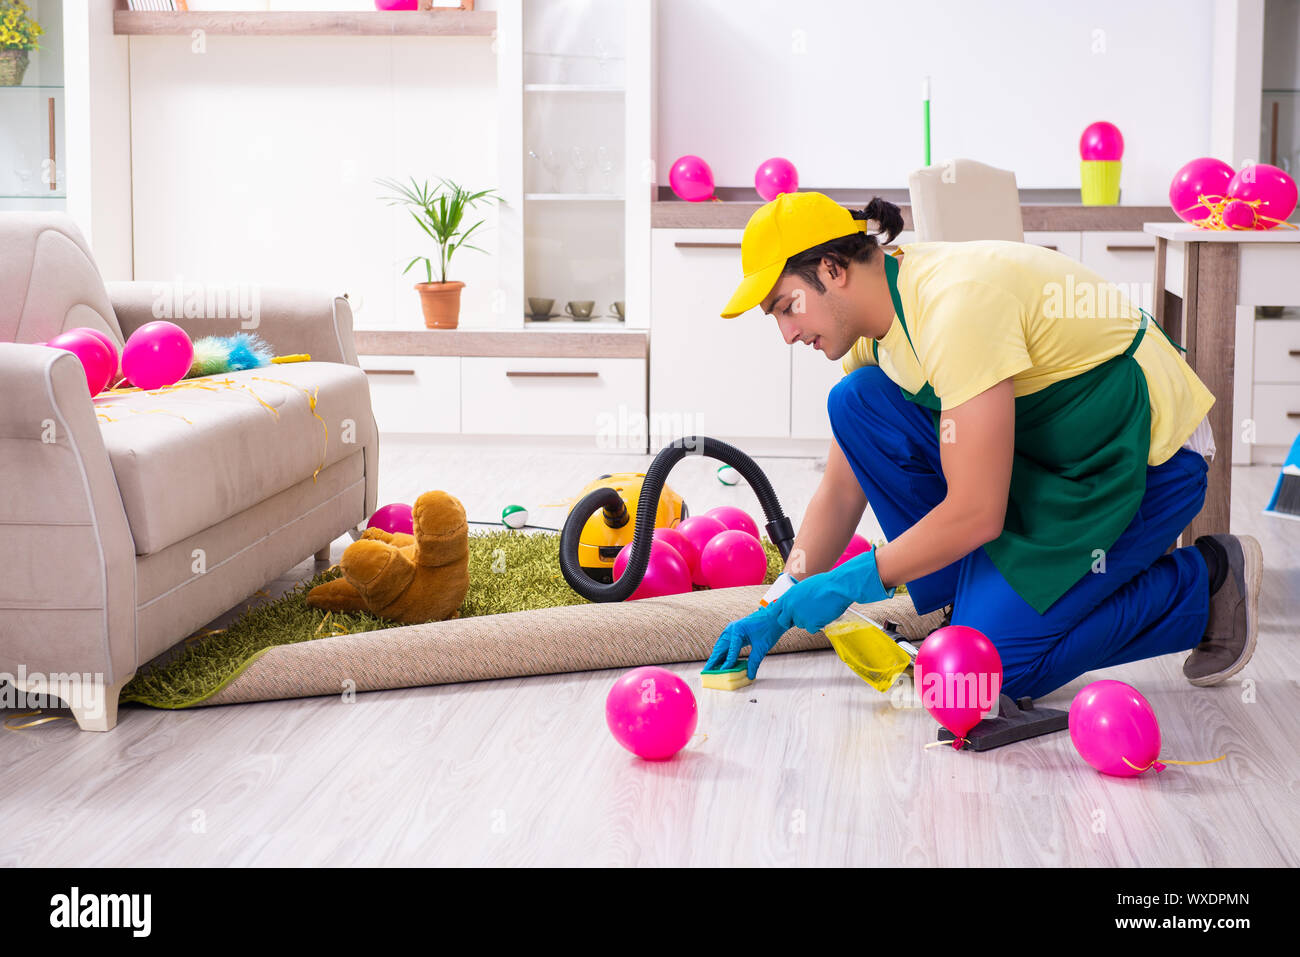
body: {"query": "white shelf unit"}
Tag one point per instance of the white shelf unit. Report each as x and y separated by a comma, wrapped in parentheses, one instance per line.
(578, 74)
(575, 197)
(572, 88)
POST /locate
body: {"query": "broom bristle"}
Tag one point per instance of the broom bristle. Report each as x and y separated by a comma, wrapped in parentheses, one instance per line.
(1288, 495)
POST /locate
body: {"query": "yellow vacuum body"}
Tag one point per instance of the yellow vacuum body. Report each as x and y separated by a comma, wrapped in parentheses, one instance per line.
(600, 543)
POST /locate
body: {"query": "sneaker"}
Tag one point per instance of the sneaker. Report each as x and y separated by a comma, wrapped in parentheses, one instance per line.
(1229, 639)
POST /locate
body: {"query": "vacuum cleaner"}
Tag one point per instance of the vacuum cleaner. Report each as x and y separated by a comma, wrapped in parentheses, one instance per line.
(589, 542)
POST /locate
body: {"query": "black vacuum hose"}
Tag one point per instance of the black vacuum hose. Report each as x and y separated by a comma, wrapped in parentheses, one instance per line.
(779, 528)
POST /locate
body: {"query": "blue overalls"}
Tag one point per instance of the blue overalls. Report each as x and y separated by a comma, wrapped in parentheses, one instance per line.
(1136, 602)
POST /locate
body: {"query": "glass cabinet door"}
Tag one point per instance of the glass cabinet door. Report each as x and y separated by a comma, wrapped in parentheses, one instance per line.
(32, 128)
(573, 144)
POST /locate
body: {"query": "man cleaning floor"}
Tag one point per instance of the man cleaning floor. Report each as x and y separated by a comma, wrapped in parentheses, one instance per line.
(1030, 458)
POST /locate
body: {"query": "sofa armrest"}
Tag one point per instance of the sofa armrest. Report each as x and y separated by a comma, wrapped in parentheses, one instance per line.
(67, 598)
(291, 320)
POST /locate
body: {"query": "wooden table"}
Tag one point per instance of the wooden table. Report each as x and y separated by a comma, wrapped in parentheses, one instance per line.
(1205, 281)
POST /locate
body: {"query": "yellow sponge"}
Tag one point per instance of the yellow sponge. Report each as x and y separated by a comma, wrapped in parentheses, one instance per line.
(729, 679)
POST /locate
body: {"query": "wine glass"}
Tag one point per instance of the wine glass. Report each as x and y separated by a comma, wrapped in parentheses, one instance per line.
(578, 156)
(551, 163)
(605, 163)
(602, 57)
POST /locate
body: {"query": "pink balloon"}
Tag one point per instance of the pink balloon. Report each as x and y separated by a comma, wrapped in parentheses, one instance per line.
(697, 530)
(109, 344)
(1114, 729)
(1101, 141)
(651, 712)
(157, 354)
(733, 558)
(774, 177)
(1204, 176)
(733, 517)
(96, 360)
(666, 574)
(1239, 215)
(691, 179)
(684, 547)
(397, 4)
(679, 543)
(958, 672)
(393, 518)
(857, 545)
(1273, 187)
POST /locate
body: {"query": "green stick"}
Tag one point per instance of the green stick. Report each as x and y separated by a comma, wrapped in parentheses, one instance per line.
(925, 99)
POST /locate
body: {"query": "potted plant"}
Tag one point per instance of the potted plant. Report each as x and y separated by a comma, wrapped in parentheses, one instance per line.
(439, 213)
(18, 33)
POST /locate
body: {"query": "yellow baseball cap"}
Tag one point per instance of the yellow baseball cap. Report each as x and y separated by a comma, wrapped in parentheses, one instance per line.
(785, 227)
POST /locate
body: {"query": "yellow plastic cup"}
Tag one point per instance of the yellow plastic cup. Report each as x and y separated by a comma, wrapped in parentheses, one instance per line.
(868, 651)
(1100, 182)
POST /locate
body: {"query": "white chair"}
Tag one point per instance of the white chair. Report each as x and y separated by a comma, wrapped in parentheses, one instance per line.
(961, 200)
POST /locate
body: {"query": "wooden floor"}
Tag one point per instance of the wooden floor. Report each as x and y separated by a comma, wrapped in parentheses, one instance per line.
(809, 766)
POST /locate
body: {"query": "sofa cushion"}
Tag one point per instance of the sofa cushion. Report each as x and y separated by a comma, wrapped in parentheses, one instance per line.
(189, 457)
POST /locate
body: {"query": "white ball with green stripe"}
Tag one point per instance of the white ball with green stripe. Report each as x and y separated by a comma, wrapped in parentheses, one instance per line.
(728, 475)
(515, 516)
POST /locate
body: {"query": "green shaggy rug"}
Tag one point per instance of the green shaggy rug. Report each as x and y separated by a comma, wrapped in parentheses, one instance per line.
(508, 571)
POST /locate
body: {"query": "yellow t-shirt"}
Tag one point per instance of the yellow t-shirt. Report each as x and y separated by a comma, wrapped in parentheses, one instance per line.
(980, 312)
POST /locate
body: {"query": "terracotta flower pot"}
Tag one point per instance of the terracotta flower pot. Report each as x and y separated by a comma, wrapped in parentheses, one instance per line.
(441, 303)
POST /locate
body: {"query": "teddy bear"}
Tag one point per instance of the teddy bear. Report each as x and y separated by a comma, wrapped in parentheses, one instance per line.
(407, 578)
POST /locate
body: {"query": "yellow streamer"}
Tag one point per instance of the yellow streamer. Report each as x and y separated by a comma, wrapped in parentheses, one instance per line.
(31, 724)
(210, 384)
(296, 357)
(161, 412)
(207, 632)
(311, 404)
(1216, 204)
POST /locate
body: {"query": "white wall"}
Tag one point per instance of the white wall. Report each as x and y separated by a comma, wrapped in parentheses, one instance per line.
(835, 87)
(254, 162)
(98, 164)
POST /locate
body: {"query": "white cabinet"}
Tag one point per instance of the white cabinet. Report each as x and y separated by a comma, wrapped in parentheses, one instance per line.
(600, 398)
(726, 378)
(1069, 244)
(811, 377)
(1275, 388)
(419, 394)
(1125, 258)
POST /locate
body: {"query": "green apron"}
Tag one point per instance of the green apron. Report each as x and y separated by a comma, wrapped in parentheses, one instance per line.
(1079, 471)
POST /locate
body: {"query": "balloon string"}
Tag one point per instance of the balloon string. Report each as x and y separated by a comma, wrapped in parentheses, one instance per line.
(1170, 761)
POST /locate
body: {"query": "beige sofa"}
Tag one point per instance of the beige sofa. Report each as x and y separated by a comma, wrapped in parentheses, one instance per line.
(129, 522)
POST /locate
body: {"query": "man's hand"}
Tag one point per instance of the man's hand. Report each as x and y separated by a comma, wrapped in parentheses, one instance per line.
(758, 631)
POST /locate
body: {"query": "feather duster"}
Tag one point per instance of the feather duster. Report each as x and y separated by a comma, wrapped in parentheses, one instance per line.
(214, 355)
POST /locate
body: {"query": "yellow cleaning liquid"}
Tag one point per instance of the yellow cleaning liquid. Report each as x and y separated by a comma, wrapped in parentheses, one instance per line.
(868, 651)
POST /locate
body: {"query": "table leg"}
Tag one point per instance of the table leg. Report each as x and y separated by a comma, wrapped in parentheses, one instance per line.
(1210, 319)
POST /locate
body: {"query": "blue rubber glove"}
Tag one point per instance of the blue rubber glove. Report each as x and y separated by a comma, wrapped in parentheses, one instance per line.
(758, 631)
(818, 600)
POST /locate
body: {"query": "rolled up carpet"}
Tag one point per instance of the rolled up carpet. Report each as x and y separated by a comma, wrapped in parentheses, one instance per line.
(673, 628)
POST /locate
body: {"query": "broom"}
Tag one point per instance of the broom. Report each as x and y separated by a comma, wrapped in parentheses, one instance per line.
(1285, 502)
